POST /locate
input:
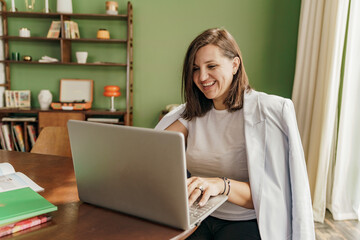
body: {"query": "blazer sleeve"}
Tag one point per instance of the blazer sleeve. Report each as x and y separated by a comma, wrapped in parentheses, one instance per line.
(171, 117)
(302, 215)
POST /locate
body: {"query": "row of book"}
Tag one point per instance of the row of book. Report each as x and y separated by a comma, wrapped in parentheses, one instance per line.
(71, 30)
(21, 206)
(12, 136)
(17, 98)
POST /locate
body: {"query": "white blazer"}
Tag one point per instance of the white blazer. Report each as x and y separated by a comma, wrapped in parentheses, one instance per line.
(276, 165)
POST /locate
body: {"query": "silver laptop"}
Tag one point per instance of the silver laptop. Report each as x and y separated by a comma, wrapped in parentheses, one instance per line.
(137, 171)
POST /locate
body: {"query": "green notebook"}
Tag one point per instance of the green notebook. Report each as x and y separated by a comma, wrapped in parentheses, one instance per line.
(23, 203)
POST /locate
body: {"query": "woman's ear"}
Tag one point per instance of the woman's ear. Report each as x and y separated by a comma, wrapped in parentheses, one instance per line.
(236, 64)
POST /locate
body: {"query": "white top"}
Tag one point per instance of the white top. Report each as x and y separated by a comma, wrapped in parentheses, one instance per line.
(276, 165)
(216, 148)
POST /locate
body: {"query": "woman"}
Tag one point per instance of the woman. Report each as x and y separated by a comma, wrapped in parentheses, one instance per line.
(241, 143)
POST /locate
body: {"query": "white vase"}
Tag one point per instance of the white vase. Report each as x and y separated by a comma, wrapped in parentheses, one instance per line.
(64, 6)
(45, 99)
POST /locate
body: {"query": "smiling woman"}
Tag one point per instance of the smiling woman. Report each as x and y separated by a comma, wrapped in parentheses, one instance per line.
(240, 143)
(213, 74)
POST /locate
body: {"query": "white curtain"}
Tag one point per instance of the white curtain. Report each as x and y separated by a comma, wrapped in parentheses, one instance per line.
(345, 198)
(315, 92)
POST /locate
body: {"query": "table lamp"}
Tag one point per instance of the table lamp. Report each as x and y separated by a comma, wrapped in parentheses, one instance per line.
(112, 91)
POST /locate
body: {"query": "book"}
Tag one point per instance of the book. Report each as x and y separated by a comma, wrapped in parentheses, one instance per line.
(18, 119)
(108, 120)
(2, 139)
(7, 136)
(23, 203)
(67, 29)
(19, 137)
(54, 30)
(13, 139)
(24, 98)
(74, 30)
(10, 180)
(24, 224)
(32, 134)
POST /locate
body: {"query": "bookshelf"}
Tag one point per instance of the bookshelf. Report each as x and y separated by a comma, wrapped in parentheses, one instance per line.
(47, 118)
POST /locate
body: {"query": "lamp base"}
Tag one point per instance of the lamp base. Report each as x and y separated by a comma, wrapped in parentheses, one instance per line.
(112, 105)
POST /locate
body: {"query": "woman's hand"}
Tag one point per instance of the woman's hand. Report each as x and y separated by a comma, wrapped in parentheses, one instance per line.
(240, 192)
(204, 188)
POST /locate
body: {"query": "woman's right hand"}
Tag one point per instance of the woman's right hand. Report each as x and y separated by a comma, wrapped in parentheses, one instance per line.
(203, 188)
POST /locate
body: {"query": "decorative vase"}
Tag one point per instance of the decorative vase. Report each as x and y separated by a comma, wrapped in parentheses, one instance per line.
(64, 6)
(45, 99)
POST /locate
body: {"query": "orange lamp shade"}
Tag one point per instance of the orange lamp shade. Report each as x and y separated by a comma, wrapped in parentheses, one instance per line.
(111, 88)
(111, 91)
(111, 94)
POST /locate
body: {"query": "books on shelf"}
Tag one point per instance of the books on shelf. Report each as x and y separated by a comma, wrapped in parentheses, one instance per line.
(23, 203)
(19, 138)
(71, 30)
(11, 180)
(54, 30)
(5, 131)
(13, 133)
(32, 134)
(17, 98)
(74, 30)
(24, 224)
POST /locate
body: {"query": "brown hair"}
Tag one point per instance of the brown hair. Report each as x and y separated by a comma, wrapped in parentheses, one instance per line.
(197, 104)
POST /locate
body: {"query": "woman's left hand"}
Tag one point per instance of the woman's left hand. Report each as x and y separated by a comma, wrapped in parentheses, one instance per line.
(204, 188)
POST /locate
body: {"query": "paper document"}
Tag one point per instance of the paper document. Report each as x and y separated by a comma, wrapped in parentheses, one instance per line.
(10, 180)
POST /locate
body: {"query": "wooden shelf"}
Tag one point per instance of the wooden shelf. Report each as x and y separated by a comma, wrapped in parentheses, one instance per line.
(89, 112)
(95, 40)
(60, 117)
(17, 38)
(58, 15)
(67, 63)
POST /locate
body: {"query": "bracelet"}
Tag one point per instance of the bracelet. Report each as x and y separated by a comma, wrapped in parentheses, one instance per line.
(224, 179)
(227, 194)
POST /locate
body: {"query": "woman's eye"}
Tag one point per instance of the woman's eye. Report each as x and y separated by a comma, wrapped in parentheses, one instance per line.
(195, 69)
(211, 66)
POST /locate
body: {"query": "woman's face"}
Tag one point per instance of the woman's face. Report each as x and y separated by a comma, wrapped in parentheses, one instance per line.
(213, 73)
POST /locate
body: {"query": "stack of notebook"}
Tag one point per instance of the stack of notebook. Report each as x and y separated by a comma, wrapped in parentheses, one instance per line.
(21, 207)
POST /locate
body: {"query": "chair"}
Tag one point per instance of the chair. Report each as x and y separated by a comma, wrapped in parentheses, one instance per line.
(53, 141)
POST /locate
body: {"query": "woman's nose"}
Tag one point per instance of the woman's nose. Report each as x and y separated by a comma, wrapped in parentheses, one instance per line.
(203, 75)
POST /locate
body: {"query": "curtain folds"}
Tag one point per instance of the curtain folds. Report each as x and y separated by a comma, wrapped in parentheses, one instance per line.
(345, 197)
(316, 85)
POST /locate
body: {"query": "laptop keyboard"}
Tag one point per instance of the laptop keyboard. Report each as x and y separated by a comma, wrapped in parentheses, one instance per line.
(196, 211)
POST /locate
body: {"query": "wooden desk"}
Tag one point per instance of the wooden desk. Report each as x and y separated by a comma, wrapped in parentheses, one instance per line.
(75, 219)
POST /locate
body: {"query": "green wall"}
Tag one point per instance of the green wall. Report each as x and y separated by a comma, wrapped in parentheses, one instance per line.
(266, 31)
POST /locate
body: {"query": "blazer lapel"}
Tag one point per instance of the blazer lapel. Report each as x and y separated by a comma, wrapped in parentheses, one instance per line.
(255, 137)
